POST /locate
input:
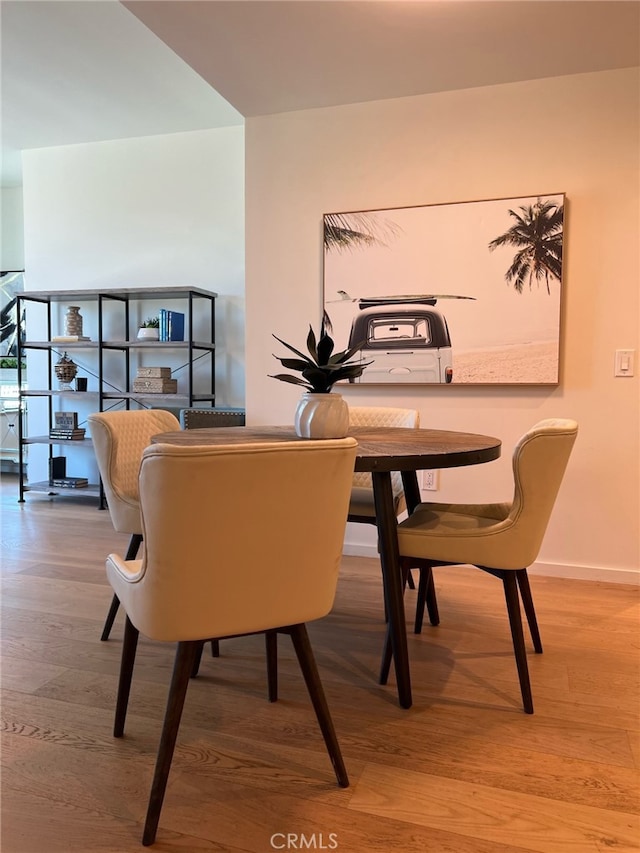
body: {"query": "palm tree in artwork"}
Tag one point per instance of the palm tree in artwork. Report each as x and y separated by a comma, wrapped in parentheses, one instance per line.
(537, 233)
(350, 230)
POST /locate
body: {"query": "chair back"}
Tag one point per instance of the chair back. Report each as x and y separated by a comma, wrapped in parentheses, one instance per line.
(381, 416)
(239, 538)
(539, 462)
(118, 441)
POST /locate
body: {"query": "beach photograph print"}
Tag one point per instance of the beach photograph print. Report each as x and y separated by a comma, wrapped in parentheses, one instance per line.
(464, 294)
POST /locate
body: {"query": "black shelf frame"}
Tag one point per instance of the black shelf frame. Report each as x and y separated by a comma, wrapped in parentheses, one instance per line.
(108, 300)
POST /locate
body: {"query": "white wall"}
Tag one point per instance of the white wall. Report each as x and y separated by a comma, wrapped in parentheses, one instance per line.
(12, 232)
(577, 135)
(151, 211)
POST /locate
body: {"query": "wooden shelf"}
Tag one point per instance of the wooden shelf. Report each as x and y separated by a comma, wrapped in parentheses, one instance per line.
(79, 395)
(92, 490)
(44, 439)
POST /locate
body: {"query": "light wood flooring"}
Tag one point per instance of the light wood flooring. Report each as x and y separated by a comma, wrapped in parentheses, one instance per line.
(463, 771)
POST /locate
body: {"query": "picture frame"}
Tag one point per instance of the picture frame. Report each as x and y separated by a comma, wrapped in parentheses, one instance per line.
(462, 293)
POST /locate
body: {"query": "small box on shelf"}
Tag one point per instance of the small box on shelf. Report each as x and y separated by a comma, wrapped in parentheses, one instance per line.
(155, 385)
(154, 373)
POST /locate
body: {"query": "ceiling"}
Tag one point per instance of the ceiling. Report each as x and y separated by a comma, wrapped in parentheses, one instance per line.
(76, 72)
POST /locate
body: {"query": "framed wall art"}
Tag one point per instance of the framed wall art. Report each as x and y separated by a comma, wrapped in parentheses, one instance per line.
(467, 293)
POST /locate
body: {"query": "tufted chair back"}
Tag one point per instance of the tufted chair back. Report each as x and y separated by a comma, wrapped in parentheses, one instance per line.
(118, 440)
(362, 506)
(289, 549)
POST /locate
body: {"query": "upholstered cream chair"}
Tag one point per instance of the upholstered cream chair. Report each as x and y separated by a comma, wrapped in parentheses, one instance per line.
(502, 538)
(197, 541)
(118, 440)
(361, 506)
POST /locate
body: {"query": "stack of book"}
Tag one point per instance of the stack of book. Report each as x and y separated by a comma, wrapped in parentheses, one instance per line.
(65, 427)
(171, 325)
(70, 482)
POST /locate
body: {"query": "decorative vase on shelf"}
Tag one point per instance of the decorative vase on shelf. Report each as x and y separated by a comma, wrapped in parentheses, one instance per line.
(66, 370)
(73, 322)
(322, 416)
(148, 333)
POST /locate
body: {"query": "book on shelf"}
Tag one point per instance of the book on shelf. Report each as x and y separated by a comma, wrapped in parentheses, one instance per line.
(68, 434)
(65, 420)
(162, 324)
(68, 339)
(175, 326)
(171, 325)
(70, 482)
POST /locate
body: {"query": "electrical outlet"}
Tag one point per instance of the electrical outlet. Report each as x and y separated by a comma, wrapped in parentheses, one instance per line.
(430, 480)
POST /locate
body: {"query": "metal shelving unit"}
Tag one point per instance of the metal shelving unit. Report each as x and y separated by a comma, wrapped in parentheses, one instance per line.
(113, 306)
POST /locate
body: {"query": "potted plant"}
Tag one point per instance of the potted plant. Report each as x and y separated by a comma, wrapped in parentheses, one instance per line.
(150, 328)
(320, 414)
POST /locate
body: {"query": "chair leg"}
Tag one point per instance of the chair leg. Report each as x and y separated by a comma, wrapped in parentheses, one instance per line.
(134, 546)
(387, 654)
(432, 601)
(515, 622)
(132, 552)
(410, 581)
(525, 593)
(304, 653)
(387, 657)
(179, 682)
(426, 595)
(215, 648)
(129, 646)
(196, 659)
(111, 616)
(271, 645)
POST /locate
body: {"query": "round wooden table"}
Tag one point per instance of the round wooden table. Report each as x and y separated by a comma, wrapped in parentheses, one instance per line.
(381, 450)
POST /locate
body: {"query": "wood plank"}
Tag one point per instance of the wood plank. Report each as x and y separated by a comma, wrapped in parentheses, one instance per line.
(480, 811)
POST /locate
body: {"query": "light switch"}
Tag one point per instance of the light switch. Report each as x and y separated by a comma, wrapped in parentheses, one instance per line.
(624, 362)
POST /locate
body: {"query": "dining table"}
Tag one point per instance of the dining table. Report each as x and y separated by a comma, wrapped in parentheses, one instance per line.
(381, 451)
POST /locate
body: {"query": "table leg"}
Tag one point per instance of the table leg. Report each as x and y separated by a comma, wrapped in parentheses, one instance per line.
(392, 582)
(411, 489)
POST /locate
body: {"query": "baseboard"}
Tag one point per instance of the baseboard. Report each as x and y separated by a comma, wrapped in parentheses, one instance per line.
(557, 570)
(587, 573)
(350, 549)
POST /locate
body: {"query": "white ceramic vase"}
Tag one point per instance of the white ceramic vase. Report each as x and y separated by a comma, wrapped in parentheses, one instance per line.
(149, 333)
(322, 416)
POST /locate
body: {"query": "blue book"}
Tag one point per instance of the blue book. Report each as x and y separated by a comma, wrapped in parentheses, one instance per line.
(162, 331)
(175, 326)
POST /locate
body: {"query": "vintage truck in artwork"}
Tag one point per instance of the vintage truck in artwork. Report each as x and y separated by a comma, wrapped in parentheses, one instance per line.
(407, 339)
